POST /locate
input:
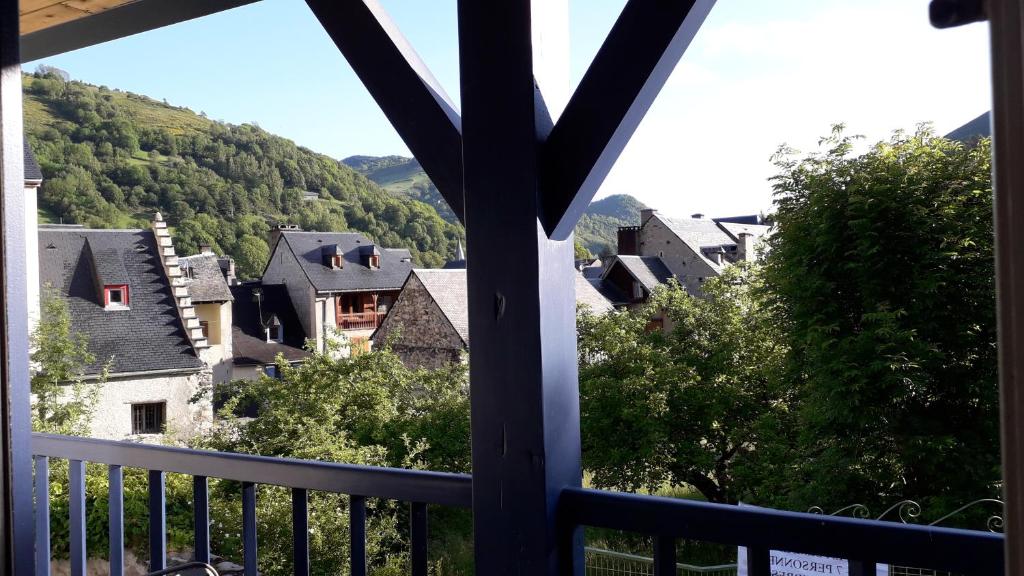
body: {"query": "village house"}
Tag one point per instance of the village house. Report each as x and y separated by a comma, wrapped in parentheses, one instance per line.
(126, 296)
(340, 283)
(265, 326)
(690, 250)
(208, 289)
(428, 327)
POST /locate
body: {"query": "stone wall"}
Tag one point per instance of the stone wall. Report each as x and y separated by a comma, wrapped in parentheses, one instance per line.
(656, 239)
(420, 333)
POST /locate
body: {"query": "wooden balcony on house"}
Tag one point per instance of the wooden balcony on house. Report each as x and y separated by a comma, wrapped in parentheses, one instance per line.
(359, 320)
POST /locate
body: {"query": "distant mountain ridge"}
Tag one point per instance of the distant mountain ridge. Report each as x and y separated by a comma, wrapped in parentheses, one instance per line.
(402, 176)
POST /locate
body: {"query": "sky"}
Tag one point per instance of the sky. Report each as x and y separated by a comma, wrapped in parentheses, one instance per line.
(758, 75)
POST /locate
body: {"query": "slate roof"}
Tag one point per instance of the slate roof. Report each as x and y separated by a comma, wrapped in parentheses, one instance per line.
(32, 170)
(449, 291)
(448, 288)
(204, 278)
(980, 127)
(611, 293)
(355, 275)
(703, 236)
(249, 340)
(649, 271)
(146, 337)
(587, 295)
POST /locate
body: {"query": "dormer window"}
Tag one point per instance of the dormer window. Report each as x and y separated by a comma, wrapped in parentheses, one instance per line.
(374, 262)
(337, 262)
(274, 330)
(115, 297)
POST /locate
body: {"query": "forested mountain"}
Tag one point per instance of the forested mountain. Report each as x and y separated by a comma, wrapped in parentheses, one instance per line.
(404, 176)
(112, 158)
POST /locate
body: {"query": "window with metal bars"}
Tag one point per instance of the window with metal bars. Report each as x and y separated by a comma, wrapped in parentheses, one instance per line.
(148, 418)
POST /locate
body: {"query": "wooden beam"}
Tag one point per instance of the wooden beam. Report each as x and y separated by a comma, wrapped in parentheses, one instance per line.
(522, 312)
(410, 96)
(1007, 38)
(16, 519)
(113, 23)
(629, 70)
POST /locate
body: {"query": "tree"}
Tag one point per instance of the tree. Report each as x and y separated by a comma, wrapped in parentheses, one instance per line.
(581, 251)
(683, 404)
(881, 268)
(63, 399)
(363, 409)
(252, 255)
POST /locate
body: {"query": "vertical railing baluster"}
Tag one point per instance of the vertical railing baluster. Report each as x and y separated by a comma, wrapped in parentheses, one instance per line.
(357, 534)
(76, 477)
(249, 528)
(42, 516)
(201, 518)
(664, 556)
(758, 561)
(862, 568)
(157, 522)
(418, 522)
(300, 532)
(115, 508)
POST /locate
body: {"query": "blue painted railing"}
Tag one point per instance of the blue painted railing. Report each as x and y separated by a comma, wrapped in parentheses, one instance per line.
(863, 542)
(419, 488)
(667, 520)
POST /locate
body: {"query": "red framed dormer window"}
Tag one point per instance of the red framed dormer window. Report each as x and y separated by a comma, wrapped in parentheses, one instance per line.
(337, 262)
(115, 296)
(374, 262)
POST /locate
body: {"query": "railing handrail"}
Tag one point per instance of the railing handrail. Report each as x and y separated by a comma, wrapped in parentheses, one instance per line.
(948, 549)
(370, 481)
(649, 560)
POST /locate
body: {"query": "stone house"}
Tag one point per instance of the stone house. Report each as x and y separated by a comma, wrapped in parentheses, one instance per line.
(691, 250)
(428, 327)
(265, 326)
(340, 283)
(124, 294)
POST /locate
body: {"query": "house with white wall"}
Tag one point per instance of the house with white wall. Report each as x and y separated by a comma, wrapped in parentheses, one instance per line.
(340, 283)
(208, 289)
(139, 325)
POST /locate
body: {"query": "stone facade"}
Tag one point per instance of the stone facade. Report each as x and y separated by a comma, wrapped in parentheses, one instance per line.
(420, 333)
(656, 239)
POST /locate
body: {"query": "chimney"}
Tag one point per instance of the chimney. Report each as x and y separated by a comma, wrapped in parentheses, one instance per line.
(276, 231)
(697, 216)
(629, 240)
(645, 215)
(745, 247)
(205, 249)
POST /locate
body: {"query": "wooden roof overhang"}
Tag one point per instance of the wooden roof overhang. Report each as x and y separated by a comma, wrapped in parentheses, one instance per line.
(50, 27)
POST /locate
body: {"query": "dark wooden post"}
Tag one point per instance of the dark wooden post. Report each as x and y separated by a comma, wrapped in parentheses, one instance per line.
(1007, 18)
(15, 424)
(523, 375)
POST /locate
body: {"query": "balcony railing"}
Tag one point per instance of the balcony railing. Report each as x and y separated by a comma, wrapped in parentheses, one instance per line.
(359, 320)
(419, 488)
(864, 542)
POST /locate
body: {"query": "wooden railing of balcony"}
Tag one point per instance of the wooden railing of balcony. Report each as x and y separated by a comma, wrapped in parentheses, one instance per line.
(359, 320)
(865, 542)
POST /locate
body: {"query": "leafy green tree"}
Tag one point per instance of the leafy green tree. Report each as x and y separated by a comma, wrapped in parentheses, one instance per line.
(366, 408)
(581, 251)
(63, 398)
(682, 400)
(881, 269)
(253, 254)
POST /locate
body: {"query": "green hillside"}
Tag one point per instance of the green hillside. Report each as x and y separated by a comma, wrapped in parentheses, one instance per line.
(112, 158)
(404, 176)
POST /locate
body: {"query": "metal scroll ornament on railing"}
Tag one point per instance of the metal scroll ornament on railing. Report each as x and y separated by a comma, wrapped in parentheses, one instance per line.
(909, 511)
